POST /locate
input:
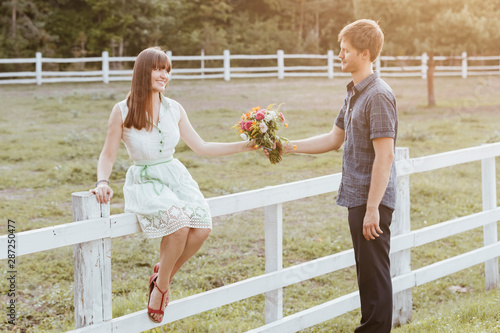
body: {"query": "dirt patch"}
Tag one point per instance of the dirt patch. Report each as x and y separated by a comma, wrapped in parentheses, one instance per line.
(17, 194)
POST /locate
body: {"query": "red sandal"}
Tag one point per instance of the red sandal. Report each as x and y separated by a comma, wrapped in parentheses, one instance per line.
(152, 285)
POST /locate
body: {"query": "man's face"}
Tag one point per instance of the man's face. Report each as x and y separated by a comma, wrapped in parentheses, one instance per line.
(350, 56)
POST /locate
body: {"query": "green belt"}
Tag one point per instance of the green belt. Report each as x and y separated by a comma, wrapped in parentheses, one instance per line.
(145, 178)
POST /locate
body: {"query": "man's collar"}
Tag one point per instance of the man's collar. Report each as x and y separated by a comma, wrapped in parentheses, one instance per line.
(363, 84)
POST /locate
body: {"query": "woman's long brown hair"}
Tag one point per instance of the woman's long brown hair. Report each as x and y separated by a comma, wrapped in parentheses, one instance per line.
(140, 97)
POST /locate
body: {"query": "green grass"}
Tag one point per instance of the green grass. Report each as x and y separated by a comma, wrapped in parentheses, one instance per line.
(51, 137)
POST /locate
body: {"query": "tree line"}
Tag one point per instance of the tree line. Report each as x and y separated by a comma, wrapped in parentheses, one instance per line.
(83, 28)
(80, 28)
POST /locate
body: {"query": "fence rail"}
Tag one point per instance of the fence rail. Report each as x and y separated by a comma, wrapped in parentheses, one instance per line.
(91, 238)
(393, 66)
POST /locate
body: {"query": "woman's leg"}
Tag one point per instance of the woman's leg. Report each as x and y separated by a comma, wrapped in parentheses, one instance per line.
(171, 249)
(196, 238)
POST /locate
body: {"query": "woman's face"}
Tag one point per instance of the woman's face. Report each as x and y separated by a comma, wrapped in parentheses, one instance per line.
(159, 79)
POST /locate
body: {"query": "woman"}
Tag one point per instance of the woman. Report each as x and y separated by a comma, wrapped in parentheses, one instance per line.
(158, 188)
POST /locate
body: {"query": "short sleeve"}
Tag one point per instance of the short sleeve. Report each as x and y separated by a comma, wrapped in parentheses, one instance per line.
(383, 116)
(178, 111)
(339, 122)
(123, 109)
(174, 106)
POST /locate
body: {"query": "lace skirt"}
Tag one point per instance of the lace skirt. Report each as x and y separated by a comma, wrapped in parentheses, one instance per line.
(165, 197)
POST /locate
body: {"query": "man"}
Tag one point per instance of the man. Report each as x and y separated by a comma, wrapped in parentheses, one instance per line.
(367, 127)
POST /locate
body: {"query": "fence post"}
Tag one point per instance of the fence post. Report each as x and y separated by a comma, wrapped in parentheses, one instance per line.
(281, 64)
(169, 56)
(377, 66)
(227, 65)
(424, 65)
(464, 65)
(105, 67)
(274, 260)
(92, 266)
(202, 63)
(488, 176)
(38, 68)
(401, 261)
(330, 64)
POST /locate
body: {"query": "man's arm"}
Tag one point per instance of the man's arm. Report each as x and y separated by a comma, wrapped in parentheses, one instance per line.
(323, 143)
(381, 171)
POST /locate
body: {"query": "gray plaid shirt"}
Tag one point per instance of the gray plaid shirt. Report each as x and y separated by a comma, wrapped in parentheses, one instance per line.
(369, 112)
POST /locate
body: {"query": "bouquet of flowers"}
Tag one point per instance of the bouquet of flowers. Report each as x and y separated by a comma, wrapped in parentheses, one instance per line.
(259, 127)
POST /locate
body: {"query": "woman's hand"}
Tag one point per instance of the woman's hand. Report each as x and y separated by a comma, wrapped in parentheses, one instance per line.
(250, 145)
(103, 193)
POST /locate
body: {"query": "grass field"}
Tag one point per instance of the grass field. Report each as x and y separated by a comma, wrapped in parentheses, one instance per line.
(51, 137)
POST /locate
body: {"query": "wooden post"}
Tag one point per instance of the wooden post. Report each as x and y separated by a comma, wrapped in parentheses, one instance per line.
(464, 65)
(424, 65)
(490, 234)
(105, 67)
(377, 66)
(281, 64)
(202, 63)
(401, 261)
(92, 266)
(169, 56)
(38, 68)
(227, 65)
(330, 64)
(274, 260)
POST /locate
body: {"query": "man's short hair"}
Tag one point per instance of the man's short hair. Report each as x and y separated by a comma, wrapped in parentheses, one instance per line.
(364, 35)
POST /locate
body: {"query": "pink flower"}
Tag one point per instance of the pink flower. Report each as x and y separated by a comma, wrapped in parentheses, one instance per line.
(263, 127)
(242, 125)
(282, 117)
(260, 115)
(248, 125)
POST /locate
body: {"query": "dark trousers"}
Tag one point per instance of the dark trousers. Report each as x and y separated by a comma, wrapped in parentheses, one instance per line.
(374, 271)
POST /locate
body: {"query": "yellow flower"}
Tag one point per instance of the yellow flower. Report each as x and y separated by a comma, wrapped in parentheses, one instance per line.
(286, 125)
(295, 147)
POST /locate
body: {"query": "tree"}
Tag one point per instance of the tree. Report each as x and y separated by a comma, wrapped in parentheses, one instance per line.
(434, 26)
(22, 24)
(71, 22)
(308, 26)
(77, 28)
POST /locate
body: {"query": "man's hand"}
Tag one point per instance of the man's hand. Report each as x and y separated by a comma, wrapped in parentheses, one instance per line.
(371, 228)
(277, 146)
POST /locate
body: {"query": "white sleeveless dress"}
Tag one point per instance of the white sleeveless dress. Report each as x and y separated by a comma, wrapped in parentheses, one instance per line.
(158, 187)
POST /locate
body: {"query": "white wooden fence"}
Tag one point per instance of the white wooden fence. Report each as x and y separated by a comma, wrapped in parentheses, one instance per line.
(92, 232)
(400, 66)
